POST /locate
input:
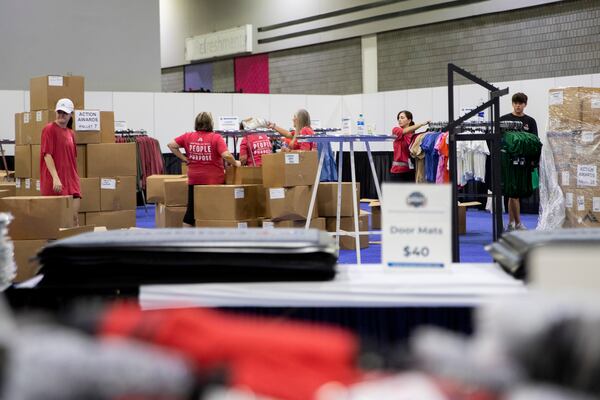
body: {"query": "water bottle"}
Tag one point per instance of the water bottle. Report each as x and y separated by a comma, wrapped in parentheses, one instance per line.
(360, 125)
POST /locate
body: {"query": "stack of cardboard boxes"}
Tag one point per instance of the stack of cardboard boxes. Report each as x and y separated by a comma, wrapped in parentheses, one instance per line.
(169, 192)
(574, 139)
(107, 170)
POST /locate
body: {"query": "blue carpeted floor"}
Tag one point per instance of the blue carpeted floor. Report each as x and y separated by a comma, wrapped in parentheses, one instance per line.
(479, 233)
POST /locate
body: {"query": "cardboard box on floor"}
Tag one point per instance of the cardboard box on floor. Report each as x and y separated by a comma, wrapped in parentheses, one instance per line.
(23, 161)
(111, 159)
(118, 193)
(35, 160)
(243, 175)
(25, 251)
(347, 224)
(90, 195)
(315, 223)
(375, 215)
(106, 134)
(45, 91)
(169, 217)
(327, 199)
(289, 169)
(462, 215)
(225, 202)
(38, 217)
(9, 187)
(27, 187)
(176, 192)
(289, 203)
(155, 187)
(240, 224)
(112, 219)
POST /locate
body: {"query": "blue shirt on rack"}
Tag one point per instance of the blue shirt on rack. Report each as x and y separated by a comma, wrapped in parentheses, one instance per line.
(431, 155)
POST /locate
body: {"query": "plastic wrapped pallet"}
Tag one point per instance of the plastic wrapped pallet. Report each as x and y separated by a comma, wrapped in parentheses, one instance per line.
(569, 185)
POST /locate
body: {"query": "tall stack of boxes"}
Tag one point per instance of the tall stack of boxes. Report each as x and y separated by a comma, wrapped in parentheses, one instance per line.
(107, 170)
(574, 139)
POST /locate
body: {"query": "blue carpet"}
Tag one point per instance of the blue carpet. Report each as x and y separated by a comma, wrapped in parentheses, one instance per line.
(479, 233)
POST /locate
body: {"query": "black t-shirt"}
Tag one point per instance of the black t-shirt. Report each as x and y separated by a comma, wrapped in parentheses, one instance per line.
(529, 124)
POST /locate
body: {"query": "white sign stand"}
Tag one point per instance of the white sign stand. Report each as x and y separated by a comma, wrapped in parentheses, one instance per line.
(416, 222)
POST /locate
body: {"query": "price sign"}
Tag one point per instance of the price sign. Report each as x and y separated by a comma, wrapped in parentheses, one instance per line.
(416, 226)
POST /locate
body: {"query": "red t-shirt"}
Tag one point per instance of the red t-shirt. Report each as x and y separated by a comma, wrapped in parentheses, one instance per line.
(253, 147)
(60, 144)
(203, 151)
(401, 151)
(304, 145)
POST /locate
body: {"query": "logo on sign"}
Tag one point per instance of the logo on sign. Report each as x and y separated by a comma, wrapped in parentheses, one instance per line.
(416, 200)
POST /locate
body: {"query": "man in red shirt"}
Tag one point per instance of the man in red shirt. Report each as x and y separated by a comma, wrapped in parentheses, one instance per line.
(58, 158)
(204, 155)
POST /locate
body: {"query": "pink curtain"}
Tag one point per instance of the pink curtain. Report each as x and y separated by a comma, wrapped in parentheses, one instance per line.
(252, 73)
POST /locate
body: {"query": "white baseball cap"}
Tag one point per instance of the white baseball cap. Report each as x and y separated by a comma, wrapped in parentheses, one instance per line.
(65, 105)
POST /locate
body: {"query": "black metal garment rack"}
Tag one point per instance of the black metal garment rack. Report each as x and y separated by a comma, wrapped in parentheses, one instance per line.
(494, 138)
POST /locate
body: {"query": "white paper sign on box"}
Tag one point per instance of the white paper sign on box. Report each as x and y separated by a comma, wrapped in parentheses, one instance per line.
(107, 183)
(416, 226)
(87, 120)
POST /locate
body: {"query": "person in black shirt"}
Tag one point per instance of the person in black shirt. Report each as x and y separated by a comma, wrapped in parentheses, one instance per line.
(519, 102)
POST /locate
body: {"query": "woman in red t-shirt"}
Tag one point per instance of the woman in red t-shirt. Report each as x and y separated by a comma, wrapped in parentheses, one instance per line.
(301, 121)
(58, 158)
(401, 170)
(204, 155)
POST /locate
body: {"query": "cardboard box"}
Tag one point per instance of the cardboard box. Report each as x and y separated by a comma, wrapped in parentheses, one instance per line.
(25, 252)
(347, 224)
(111, 219)
(77, 230)
(38, 217)
(184, 168)
(90, 195)
(45, 91)
(243, 175)
(9, 187)
(19, 128)
(316, 223)
(289, 203)
(32, 124)
(36, 149)
(118, 193)
(462, 215)
(289, 169)
(155, 187)
(225, 202)
(582, 208)
(81, 218)
(169, 217)
(106, 134)
(111, 159)
(327, 199)
(240, 224)
(590, 108)
(176, 192)
(23, 161)
(564, 109)
(375, 215)
(82, 160)
(27, 187)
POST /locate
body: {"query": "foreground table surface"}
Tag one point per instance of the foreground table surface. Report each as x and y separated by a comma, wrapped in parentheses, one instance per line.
(367, 285)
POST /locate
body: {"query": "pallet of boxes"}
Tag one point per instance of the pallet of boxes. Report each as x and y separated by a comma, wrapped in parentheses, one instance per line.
(107, 170)
(574, 140)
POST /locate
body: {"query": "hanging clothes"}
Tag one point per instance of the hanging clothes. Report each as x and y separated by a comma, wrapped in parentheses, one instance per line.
(149, 157)
(431, 156)
(417, 153)
(520, 153)
(441, 146)
(329, 168)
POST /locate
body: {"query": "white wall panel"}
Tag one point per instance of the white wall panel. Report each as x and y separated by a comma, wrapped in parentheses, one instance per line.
(282, 108)
(219, 104)
(174, 115)
(506, 100)
(439, 97)
(596, 80)
(251, 105)
(579, 80)
(136, 109)
(471, 96)
(420, 103)
(11, 102)
(537, 102)
(394, 102)
(102, 101)
(326, 108)
(26, 101)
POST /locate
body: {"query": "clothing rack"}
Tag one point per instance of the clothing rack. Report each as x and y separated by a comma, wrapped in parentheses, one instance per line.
(4, 163)
(130, 132)
(494, 137)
